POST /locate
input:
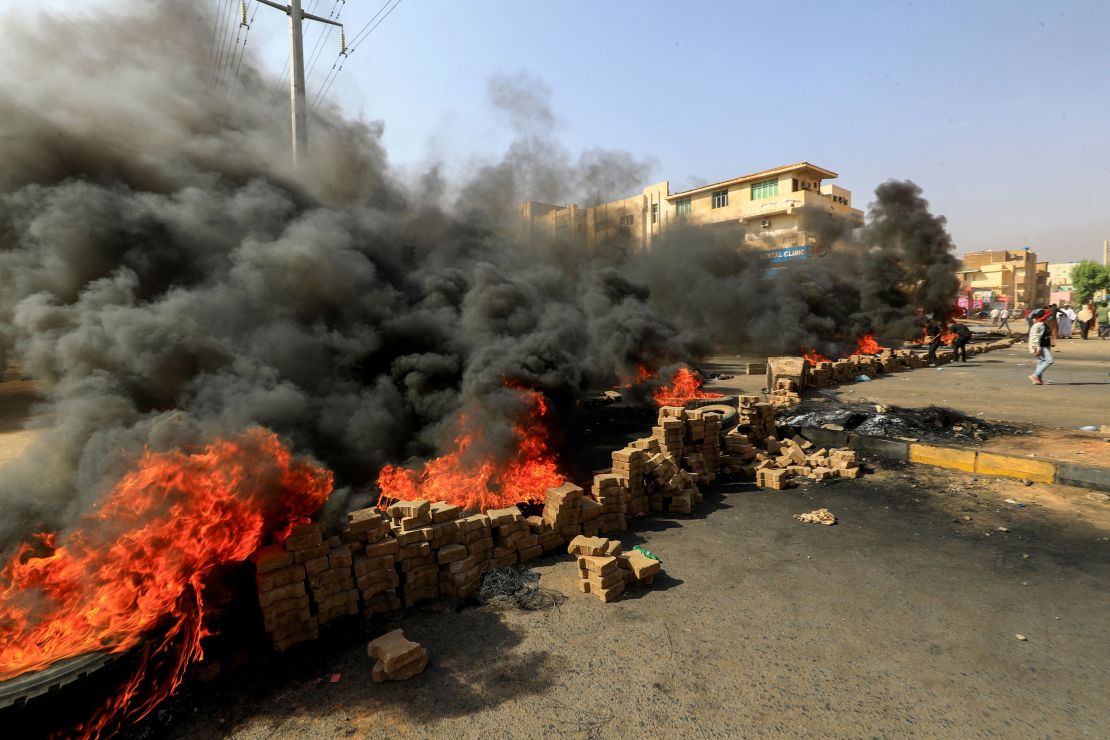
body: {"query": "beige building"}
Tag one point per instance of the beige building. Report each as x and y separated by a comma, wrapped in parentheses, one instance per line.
(763, 209)
(1059, 274)
(1014, 278)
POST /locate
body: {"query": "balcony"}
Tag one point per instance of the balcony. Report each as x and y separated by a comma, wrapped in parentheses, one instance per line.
(786, 203)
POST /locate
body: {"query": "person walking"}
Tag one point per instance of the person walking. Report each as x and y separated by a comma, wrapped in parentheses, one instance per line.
(1085, 318)
(1040, 344)
(1065, 320)
(1004, 320)
(959, 344)
(1102, 315)
(994, 316)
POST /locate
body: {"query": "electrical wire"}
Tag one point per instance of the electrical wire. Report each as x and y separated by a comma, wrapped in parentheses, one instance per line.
(342, 58)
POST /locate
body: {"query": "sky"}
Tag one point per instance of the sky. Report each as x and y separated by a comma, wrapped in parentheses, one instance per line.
(998, 110)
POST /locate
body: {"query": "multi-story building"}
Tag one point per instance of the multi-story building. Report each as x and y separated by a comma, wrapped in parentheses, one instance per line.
(1004, 277)
(764, 210)
(1059, 283)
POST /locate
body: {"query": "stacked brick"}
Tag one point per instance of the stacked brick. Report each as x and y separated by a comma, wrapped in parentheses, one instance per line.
(411, 524)
(610, 492)
(331, 582)
(373, 564)
(562, 510)
(787, 392)
(513, 540)
(740, 453)
(286, 614)
(460, 571)
(604, 570)
(631, 464)
(757, 417)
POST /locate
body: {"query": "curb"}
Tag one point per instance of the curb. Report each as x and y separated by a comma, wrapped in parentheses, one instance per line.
(965, 459)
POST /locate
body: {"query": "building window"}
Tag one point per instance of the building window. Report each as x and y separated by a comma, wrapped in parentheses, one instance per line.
(654, 213)
(626, 220)
(720, 198)
(765, 189)
(599, 226)
(683, 207)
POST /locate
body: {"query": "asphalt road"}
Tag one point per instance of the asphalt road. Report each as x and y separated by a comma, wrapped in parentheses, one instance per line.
(994, 385)
(900, 620)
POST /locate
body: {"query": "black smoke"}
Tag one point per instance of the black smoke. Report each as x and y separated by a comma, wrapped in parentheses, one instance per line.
(167, 277)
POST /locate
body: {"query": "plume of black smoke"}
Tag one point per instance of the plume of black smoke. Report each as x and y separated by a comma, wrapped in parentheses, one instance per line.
(871, 281)
(166, 277)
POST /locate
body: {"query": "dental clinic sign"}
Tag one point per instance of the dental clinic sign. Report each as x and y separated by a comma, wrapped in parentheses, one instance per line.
(784, 254)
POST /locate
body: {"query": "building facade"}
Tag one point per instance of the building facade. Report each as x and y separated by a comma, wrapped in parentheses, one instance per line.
(763, 210)
(1012, 278)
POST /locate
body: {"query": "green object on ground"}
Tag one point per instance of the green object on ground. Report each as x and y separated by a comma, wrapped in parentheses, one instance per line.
(648, 553)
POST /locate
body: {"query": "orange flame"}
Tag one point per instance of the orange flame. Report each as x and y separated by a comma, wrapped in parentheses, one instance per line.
(866, 345)
(486, 483)
(140, 559)
(685, 386)
(643, 374)
(812, 356)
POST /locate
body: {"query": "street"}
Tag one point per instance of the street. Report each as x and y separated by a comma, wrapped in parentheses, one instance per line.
(901, 619)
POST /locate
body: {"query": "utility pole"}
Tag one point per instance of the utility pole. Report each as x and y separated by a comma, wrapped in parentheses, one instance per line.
(296, 72)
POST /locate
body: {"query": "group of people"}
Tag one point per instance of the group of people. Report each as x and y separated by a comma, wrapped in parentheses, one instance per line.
(1066, 319)
(935, 331)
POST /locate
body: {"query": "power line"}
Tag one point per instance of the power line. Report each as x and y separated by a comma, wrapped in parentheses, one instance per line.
(355, 38)
(319, 48)
(337, 67)
(218, 38)
(228, 48)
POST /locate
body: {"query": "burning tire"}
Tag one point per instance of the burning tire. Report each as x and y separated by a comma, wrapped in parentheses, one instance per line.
(729, 415)
(18, 691)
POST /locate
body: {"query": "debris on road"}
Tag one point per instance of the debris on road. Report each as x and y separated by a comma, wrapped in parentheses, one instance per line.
(1023, 638)
(819, 516)
(932, 423)
(398, 659)
(513, 587)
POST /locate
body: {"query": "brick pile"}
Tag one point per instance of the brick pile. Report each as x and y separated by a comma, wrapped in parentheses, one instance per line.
(787, 392)
(758, 416)
(795, 457)
(411, 524)
(511, 536)
(286, 614)
(562, 510)
(610, 491)
(397, 659)
(604, 570)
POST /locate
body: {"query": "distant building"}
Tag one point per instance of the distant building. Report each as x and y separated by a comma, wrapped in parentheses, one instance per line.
(1013, 278)
(763, 209)
(1059, 275)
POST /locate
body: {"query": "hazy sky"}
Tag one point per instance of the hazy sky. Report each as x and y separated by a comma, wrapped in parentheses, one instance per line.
(998, 110)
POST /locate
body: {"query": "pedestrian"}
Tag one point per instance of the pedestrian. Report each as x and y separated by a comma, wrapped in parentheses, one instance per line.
(959, 344)
(932, 330)
(1040, 344)
(1065, 319)
(1102, 315)
(1085, 318)
(994, 316)
(1004, 320)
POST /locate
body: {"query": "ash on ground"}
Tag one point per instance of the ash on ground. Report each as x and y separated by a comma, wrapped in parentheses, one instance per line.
(931, 423)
